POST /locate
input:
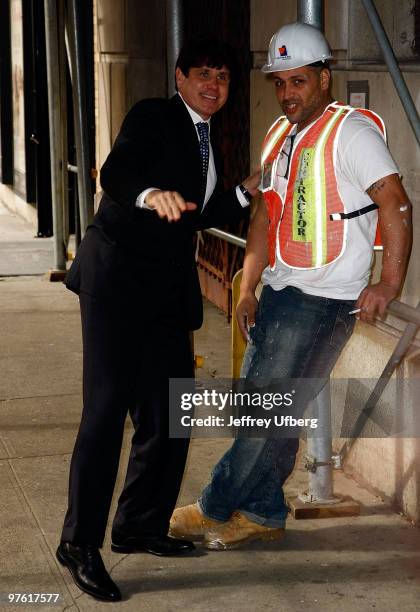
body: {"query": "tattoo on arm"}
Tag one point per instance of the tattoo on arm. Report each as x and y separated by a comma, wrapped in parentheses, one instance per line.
(375, 188)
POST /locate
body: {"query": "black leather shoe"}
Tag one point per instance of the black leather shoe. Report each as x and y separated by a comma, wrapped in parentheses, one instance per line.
(88, 571)
(161, 545)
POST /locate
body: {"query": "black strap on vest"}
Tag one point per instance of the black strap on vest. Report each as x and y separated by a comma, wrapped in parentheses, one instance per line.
(355, 213)
(289, 154)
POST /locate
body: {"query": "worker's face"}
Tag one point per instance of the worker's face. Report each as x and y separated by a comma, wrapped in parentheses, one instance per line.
(303, 93)
(205, 89)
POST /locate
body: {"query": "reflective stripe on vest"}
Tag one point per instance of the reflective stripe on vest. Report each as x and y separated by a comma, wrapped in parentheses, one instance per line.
(301, 232)
(274, 138)
(273, 144)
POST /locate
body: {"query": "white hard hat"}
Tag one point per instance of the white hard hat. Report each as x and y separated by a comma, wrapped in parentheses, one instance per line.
(295, 45)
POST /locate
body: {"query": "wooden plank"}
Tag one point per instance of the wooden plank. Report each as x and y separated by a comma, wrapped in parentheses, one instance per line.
(346, 506)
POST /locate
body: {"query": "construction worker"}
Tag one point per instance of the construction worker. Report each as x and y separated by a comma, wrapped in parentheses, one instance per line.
(327, 180)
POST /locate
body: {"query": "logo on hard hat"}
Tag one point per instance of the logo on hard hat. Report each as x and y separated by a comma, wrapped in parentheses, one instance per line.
(283, 52)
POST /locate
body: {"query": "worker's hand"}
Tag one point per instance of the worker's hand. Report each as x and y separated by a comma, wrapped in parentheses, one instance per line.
(373, 301)
(169, 204)
(251, 182)
(245, 313)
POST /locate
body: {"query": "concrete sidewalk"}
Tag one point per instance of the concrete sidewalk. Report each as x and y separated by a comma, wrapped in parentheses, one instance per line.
(21, 252)
(363, 563)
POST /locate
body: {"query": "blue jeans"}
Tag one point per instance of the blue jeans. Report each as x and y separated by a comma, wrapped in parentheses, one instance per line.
(296, 335)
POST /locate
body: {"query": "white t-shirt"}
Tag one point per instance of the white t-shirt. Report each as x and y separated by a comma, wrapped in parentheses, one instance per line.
(362, 159)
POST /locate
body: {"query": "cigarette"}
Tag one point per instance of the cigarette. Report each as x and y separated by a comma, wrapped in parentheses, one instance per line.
(354, 311)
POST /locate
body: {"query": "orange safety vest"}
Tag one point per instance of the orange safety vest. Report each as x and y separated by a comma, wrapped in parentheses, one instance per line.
(308, 229)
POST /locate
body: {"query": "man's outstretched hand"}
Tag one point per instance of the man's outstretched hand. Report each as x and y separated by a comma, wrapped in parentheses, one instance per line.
(169, 204)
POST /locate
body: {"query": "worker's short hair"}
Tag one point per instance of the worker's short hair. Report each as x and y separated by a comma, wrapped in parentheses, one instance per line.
(206, 52)
(321, 64)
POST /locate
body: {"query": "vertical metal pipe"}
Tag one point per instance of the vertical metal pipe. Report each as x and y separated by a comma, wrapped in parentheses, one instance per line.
(394, 71)
(311, 12)
(84, 186)
(63, 114)
(174, 39)
(55, 129)
(319, 448)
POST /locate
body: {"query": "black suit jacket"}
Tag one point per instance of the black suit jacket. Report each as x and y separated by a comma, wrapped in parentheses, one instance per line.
(130, 252)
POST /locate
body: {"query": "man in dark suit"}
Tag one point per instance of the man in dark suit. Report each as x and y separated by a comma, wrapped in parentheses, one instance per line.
(137, 280)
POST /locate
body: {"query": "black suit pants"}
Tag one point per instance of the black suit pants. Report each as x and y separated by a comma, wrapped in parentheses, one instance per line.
(127, 360)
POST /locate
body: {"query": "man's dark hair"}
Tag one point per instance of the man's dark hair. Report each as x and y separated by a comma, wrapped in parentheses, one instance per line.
(209, 52)
(321, 64)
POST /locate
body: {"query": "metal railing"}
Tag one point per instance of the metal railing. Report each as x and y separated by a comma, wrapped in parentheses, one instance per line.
(396, 307)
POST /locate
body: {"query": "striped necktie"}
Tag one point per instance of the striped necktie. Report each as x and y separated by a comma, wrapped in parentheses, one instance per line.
(203, 132)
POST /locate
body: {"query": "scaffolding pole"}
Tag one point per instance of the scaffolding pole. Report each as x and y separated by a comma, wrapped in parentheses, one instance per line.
(394, 69)
(63, 114)
(174, 39)
(319, 449)
(81, 130)
(311, 12)
(54, 28)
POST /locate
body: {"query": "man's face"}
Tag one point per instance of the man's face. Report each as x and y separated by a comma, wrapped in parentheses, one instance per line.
(205, 89)
(303, 93)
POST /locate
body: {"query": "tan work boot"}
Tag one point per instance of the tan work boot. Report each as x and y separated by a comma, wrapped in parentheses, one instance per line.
(190, 523)
(238, 531)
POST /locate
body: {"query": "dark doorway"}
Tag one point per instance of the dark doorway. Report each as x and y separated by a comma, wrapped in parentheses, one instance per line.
(228, 21)
(6, 107)
(37, 140)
